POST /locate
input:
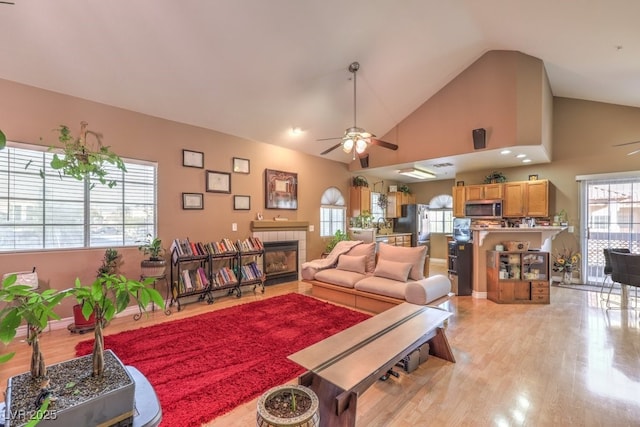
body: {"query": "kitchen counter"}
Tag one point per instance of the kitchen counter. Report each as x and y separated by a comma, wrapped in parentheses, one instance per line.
(381, 236)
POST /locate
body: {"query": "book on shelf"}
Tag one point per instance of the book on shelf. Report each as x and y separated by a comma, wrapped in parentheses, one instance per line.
(186, 280)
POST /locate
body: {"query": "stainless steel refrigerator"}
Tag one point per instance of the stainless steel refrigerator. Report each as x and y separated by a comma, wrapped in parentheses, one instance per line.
(414, 220)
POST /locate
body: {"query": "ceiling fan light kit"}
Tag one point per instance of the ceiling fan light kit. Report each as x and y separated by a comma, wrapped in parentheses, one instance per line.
(416, 173)
(355, 139)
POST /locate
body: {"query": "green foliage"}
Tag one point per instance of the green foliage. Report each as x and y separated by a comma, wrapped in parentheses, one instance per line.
(152, 246)
(3, 140)
(359, 181)
(404, 189)
(109, 262)
(495, 176)
(80, 160)
(337, 237)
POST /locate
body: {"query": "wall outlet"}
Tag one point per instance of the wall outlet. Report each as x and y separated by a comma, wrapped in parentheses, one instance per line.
(234, 226)
(312, 227)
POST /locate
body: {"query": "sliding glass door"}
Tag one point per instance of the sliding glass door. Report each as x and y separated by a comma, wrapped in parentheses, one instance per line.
(611, 218)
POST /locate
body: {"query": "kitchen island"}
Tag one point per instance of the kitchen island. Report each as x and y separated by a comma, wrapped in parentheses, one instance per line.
(486, 238)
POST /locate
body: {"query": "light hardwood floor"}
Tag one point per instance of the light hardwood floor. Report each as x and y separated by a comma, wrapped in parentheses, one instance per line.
(567, 363)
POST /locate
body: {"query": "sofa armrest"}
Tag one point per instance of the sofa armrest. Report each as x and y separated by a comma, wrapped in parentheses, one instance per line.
(427, 290)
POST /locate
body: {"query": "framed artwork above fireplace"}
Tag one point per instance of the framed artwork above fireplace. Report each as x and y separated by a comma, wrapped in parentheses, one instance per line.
(281, 189)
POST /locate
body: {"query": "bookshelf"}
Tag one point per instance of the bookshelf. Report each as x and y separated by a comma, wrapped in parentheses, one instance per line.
(250, 255)
(190, 272)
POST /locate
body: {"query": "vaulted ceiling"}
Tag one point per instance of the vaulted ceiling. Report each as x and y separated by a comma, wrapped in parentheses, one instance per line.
(257, 69)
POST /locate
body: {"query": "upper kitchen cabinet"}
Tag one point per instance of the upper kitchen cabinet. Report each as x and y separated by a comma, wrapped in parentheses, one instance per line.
(395, 201)
(458, 201)
(359, 200)
(483, 191)
(526, 199)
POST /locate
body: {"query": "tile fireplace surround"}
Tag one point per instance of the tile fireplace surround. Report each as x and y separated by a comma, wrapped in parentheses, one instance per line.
(277, 231)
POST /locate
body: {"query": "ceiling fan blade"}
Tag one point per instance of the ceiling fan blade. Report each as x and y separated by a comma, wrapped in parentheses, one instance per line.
(384, 144)
(364, 160)
(626, 143)
(328, 139)
(330, 149)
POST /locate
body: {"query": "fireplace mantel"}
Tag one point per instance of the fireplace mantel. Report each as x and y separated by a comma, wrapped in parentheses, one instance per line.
(271, 225)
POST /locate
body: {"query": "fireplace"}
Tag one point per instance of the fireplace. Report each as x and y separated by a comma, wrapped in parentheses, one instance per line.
(280, 261)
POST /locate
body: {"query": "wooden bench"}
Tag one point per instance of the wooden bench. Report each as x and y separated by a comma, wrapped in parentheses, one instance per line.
(344, 365)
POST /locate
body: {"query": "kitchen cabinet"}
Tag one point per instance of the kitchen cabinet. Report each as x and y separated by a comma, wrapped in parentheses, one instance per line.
(359, 200)
(518, 277)
(526, 199)
(458, 201)
(484, 191)
(395, 201)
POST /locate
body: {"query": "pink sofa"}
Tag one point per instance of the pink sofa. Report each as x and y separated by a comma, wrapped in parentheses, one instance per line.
(361, 278)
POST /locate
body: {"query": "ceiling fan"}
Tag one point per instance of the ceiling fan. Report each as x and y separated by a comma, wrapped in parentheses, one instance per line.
(631, 153)
(355, 139)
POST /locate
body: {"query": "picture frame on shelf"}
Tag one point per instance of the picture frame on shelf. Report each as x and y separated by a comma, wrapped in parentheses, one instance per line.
(193, 159)
(533, 177)
(192, 201)
(218, 182)
(459, 183)
(281, 189)
(241, 203)
(241, 165)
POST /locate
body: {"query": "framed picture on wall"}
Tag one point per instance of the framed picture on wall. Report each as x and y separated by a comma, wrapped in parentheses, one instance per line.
(192, 159)
(240, 165)
(281, 189)
(192, 201)
(218, 182)
(242, 203)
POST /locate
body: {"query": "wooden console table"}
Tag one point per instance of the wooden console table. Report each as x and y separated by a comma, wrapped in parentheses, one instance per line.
(344, 365)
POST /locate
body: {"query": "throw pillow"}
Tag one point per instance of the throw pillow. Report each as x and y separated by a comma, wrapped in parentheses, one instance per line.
(369, 250)
(415, 256)
(392, 270)
(351, 263)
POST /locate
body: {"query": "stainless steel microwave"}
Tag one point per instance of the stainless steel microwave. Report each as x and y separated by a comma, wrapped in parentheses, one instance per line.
(483, 209)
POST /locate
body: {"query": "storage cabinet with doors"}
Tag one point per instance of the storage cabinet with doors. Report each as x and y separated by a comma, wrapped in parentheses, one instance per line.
(395, 201)
(359, 200)
(484, 191)
(518, 277)
(395, 239)
(526, 199)
(459, 199)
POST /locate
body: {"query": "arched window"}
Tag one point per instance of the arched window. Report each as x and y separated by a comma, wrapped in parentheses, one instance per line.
(333, 212)
(441, 214)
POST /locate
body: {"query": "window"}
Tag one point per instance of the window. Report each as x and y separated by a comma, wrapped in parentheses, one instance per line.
(377, 211)
(441, 214)
(333, 212)
(57, 213)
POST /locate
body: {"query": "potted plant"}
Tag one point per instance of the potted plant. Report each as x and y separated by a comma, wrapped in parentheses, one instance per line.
(91, 390)
(495, 177)
(404, 189)
(337, 237)
(288, 405)
(359, 181)
(155, 265)
(3, 140)
(81, 159)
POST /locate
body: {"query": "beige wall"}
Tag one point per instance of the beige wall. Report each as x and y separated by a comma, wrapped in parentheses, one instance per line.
(29, 114)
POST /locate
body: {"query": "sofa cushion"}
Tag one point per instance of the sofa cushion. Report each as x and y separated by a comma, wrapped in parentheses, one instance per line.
(339, 277)
(427, 290)
(368, 250)
(352, 263)
(382, 286)
(392, 270)
(415, 255)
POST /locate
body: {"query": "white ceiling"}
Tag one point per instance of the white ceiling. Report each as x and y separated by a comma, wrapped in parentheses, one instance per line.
(257, 68)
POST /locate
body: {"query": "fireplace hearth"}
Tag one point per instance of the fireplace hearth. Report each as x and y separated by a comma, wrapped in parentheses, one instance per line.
(280, 261)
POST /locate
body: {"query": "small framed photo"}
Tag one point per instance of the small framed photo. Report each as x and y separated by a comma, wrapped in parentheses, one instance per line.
(240, 165)
(193, 159)
(533, 177)
(459, 183)
(192, 201)
(242, 203)
(218, 182)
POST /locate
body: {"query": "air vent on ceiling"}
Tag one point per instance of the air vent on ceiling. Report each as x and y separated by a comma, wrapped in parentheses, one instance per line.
(443, 165)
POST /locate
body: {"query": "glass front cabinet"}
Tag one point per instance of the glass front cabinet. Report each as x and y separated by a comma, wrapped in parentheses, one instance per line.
(518, 277)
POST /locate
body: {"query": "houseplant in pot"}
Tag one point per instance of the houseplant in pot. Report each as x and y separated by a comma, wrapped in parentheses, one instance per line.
(155, 265)
(95, 389)
(288, 405)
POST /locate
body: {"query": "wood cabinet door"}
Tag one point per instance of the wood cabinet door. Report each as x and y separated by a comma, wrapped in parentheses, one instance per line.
(522, 291)
(538, 198)
(359, 200)
(514, 199)
(474, 192)
(458, 201)
(492, 191)
(391, 205)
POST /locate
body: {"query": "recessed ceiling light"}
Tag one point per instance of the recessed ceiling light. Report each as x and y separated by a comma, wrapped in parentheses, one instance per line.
(416, 173)
(505, 152)
(526, 161)
(295, 131)
(521, 156)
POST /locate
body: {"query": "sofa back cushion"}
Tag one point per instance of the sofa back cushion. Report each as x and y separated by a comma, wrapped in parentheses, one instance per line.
(352, 263)
(393, 270)
(415, 256)
(368, 250)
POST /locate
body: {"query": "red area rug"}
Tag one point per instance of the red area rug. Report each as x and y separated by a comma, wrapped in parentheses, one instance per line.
(206, 365)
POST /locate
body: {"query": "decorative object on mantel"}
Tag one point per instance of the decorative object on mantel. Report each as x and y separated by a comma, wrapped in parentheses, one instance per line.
(81, 160)
(281, 189)
(241, 165)
(404, 189)
(280, 218)
(495, 177)
(259, 216)
(193, 159)
(359, 181)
